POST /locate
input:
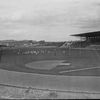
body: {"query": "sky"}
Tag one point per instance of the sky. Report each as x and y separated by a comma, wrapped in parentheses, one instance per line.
(50, 20)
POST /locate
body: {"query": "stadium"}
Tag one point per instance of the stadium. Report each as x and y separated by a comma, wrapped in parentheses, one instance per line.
(83, 55)
(75, 67)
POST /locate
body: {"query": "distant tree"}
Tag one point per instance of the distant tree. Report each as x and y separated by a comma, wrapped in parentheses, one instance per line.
(42, 41)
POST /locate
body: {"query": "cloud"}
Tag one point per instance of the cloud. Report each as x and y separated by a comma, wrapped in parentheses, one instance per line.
(91, 19)
(48, 19)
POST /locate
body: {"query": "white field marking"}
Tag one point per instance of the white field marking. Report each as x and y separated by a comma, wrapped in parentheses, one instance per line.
(46, 75)
(79, 69)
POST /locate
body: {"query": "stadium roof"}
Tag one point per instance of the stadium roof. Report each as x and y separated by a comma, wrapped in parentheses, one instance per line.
(89, 34)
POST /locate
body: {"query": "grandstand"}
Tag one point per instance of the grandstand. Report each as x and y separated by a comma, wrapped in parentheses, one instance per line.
(91, 37)
(87, 39)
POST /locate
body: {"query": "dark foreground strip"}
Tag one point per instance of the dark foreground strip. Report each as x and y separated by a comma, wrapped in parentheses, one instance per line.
(70, 91)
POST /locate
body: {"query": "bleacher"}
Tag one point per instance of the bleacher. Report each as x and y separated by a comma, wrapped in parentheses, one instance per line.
(79, 44)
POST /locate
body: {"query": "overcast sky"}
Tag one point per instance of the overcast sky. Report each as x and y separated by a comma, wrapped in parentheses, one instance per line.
(50, 20)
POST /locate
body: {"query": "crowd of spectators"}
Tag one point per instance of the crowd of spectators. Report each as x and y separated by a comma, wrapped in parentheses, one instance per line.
(79, 44)
(76, 44)
(38, 51)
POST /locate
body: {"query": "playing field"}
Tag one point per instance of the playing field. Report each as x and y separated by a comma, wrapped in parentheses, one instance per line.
(47, 64)
(78, 62)
(74, 70)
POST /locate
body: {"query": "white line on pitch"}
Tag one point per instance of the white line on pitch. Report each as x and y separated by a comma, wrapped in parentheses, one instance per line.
(79, 69)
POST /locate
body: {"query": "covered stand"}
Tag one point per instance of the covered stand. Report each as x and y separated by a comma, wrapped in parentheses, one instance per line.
(91, 37)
